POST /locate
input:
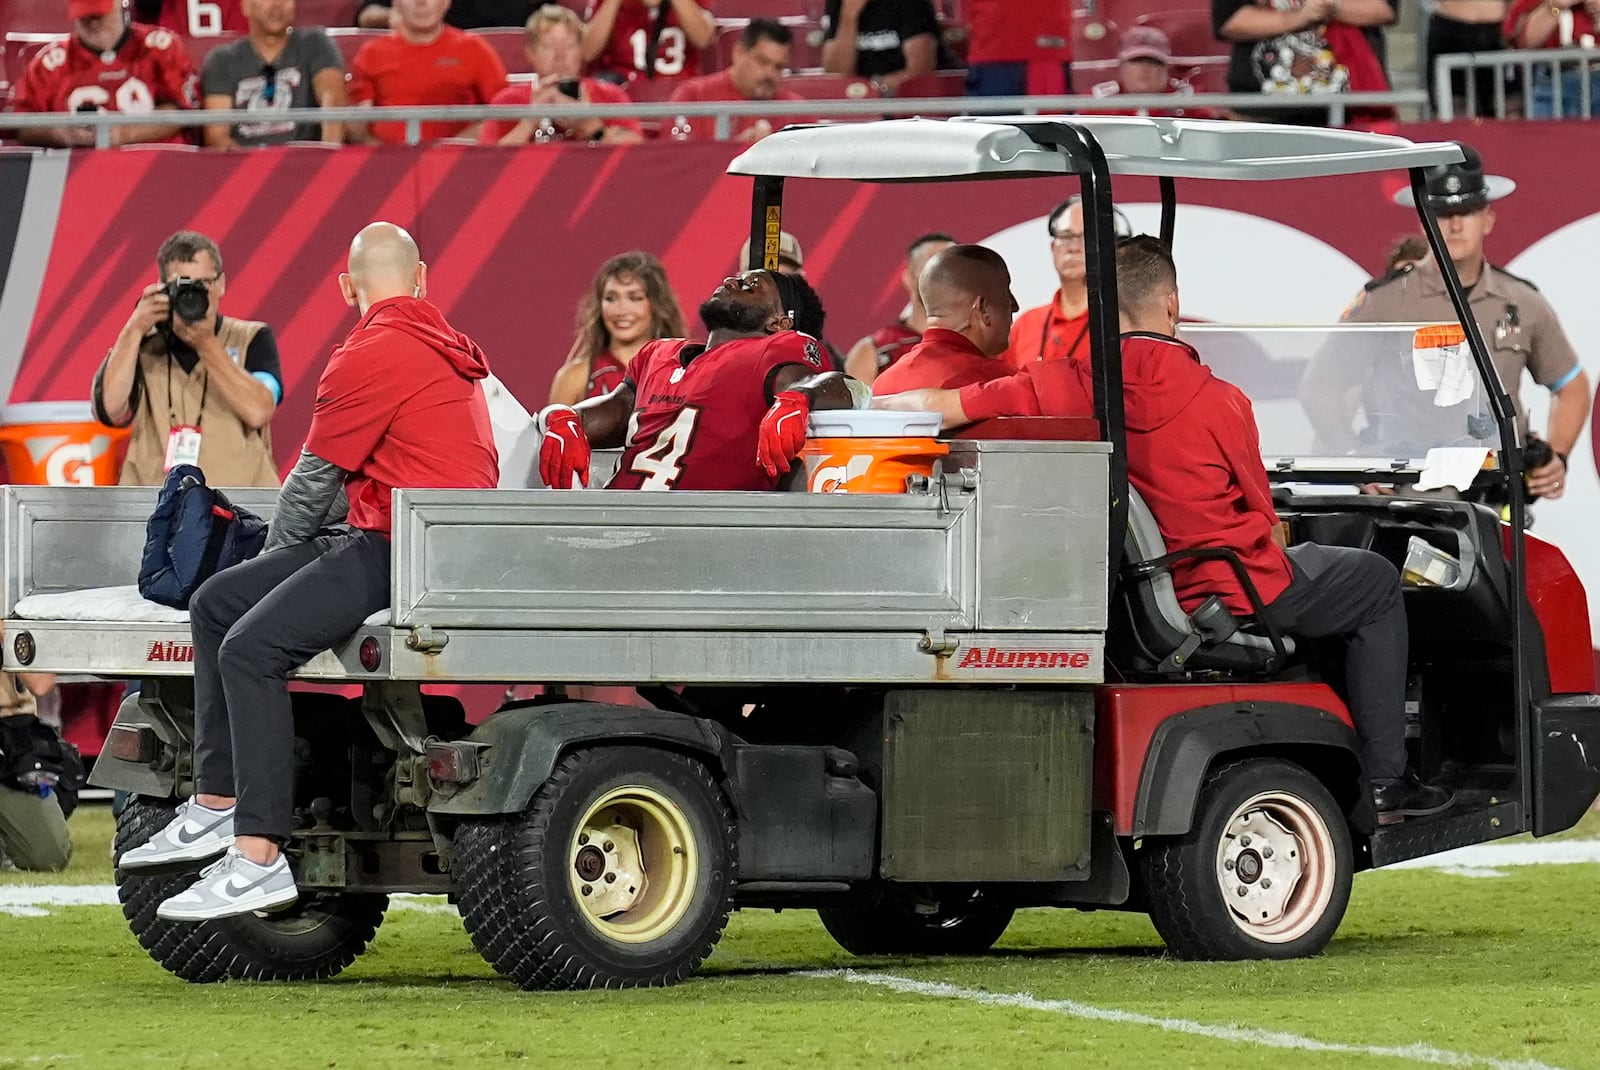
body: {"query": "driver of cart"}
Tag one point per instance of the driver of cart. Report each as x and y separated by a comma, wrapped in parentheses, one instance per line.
(728, 413)
(398, 405)
(966, 290)
(1194, 455)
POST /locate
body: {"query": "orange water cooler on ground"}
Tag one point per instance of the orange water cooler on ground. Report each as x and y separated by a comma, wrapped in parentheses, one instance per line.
(869, 451)
(60, 443)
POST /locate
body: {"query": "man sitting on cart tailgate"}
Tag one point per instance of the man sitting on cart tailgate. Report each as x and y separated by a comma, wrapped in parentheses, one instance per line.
(967, 292)
(400, 404)
(728, 413)
(1194, 455)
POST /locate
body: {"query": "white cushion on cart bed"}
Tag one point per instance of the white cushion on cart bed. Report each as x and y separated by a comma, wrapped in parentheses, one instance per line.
(118, 604)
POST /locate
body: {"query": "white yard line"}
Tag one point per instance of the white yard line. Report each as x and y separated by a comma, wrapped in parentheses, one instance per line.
(1416, 1053)
(35, 901)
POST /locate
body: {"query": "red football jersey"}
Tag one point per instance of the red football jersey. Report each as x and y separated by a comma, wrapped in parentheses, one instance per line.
(628, 49)
(892, 343)
(150, 70)
(696, 411)
(203, 18)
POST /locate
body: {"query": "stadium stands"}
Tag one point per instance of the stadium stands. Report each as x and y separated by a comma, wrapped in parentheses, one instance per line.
(508, 44)
(1188, 31)
(33, 16)
(348, 40)
(325, 12)
(1095, 39)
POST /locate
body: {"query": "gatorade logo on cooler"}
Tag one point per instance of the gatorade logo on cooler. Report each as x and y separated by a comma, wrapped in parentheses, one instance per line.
(835, 478)
(67, 463)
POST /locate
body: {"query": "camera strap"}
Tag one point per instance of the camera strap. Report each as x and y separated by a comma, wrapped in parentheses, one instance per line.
(172, 408)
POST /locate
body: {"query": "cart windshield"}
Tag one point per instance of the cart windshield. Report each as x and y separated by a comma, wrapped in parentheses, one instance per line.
(1366, 395)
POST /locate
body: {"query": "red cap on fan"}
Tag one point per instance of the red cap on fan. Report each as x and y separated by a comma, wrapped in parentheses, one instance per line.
(85, 9)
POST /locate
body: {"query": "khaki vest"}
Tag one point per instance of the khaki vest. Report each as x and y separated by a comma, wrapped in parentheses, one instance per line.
(231, 454)
(14, 698)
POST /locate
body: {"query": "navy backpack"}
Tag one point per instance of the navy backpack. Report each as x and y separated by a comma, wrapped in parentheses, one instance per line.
(194, 532)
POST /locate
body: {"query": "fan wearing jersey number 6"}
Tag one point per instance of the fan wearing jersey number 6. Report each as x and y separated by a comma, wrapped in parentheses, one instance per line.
(728, 413)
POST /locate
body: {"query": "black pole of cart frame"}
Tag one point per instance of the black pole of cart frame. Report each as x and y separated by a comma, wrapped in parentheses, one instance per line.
(1105, 326)
(1505, 415)
(766, 224)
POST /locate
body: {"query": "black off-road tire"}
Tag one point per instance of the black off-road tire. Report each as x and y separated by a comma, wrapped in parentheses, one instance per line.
(968, 925)
(1183, 880)
(316, 938)
(516, 876)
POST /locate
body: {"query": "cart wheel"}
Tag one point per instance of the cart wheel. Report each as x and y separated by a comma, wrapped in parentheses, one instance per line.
(1263, 874)
(618, 874)
(318, 936)
(964, 925)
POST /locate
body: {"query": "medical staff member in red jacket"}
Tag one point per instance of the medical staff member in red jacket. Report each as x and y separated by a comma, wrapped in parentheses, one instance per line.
(1194, 456)
(399, 404)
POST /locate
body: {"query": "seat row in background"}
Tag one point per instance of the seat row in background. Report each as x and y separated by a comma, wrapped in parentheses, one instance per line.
(26, 26)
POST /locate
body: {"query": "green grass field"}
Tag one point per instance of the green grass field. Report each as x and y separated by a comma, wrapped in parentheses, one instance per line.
(1430, 968)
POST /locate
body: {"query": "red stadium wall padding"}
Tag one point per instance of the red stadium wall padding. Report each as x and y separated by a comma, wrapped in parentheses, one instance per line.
(513, 237)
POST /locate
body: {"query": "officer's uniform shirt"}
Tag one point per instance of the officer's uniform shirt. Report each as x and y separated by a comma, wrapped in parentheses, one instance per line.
(1518, 324)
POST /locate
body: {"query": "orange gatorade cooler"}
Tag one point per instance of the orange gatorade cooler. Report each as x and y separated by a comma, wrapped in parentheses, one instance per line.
(60, 443)
(869, 451)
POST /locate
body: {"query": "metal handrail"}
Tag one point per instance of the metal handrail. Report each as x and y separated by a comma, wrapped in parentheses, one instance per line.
(1524, 59)
(722, 113)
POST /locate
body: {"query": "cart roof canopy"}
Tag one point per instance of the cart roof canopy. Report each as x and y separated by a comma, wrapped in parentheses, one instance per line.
(911, 150)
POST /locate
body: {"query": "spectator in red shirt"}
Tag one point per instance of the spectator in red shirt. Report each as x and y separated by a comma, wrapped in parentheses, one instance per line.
(193, 18)
(1019, 48)
(625, 40)
(879, 350)
(756, 73)
(423, 62)
(630, 303)
(1143, 69)
(108, 64)
(400, 404)
(1556, 24)
(967, 292)
(1059, 329)
(556, 56)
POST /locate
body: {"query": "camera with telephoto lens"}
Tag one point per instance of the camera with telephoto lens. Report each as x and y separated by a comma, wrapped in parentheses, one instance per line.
(190, 299)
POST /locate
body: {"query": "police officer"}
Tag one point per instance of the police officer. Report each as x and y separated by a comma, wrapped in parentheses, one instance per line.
(1518, 324)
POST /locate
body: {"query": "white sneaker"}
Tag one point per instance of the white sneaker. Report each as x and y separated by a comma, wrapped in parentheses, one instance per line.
(197, 834)
(233, 885)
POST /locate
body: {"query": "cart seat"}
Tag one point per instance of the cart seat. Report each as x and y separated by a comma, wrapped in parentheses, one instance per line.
(1155, 629)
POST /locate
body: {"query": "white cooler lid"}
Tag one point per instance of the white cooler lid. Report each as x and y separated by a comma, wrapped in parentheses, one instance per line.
(872, 423)
(47, 412)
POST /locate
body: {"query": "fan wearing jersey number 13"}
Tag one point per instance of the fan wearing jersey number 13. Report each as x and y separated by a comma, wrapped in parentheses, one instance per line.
(728, 413)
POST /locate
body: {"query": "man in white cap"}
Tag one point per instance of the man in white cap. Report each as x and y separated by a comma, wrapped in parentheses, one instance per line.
(1520, 327)
(1144, 69)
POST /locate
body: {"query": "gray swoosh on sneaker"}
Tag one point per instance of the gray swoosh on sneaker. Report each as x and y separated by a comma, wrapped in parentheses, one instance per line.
(232, 888)
(183, 836)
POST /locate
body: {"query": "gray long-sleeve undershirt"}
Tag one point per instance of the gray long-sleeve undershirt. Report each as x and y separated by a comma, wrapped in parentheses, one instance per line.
(311, 499)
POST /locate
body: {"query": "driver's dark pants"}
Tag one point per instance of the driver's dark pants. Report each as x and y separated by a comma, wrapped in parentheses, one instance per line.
(1354, 595)
(254, 624)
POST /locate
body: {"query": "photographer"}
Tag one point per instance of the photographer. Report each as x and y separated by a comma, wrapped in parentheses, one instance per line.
(555, 53)
(197, 387)
(33, 824)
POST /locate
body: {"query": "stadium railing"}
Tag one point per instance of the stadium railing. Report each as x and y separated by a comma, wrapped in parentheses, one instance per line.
(1549, 62)
(722, 114)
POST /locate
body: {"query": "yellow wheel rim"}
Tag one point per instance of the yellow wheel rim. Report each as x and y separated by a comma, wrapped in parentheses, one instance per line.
(633, 864)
